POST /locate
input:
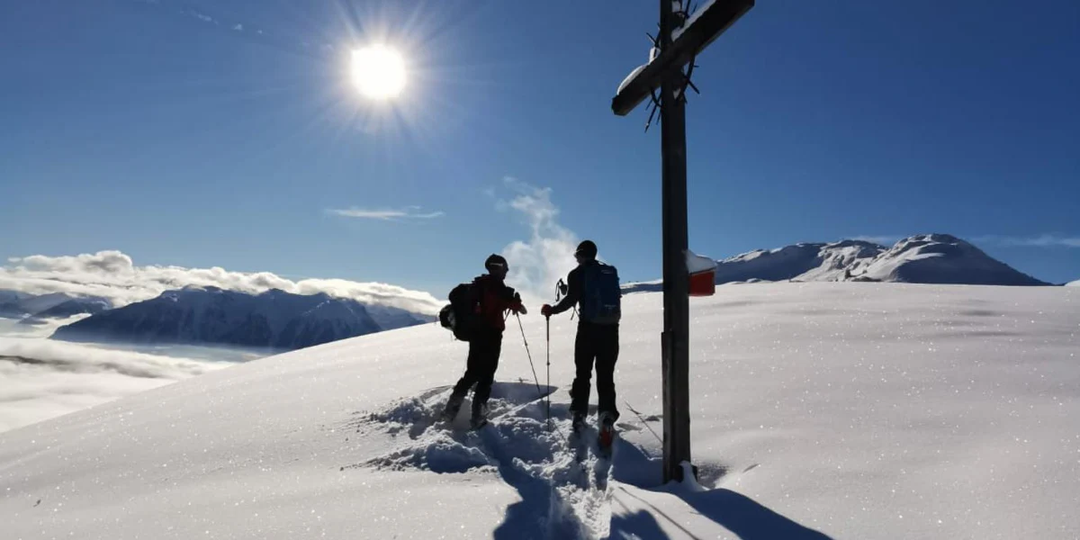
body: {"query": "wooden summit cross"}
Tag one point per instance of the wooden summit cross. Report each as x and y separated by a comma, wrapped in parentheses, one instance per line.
(682, 36)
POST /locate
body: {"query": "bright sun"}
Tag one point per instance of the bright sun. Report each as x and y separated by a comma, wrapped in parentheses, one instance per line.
(378, 71)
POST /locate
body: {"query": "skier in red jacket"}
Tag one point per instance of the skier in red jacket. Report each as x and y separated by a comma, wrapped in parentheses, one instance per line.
(485, 343)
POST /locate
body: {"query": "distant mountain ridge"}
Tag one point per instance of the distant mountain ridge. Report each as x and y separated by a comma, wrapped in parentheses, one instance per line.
(70, 308)
(274, 320)
(33, 308)
(929, 258)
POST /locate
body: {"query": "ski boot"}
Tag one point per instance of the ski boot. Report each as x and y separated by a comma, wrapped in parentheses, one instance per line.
(606, 437)
(479, 417)
(577, 437)
(577, 425)
(453, 405)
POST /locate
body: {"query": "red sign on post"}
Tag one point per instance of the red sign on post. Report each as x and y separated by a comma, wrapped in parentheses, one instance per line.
(702, 274)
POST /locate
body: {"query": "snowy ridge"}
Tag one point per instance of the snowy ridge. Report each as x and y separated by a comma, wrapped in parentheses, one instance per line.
(931, 258)
(801, 262)
(1073, 284)
(274, 319)
(819, 410)
(940, 258)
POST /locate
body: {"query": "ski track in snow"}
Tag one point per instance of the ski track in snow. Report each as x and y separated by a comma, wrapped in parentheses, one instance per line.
(518, 444)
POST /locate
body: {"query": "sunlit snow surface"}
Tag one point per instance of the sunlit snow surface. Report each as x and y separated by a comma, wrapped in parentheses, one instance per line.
(819, 411)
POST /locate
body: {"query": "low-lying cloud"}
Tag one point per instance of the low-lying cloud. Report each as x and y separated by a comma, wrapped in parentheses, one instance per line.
(78, 358)
(114, 275)
(41, 379)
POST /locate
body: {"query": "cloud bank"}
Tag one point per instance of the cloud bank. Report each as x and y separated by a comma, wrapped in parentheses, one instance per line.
(41, 379)
(114, 275)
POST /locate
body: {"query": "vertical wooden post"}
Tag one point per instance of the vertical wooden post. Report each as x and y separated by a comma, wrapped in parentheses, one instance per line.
(676, 338)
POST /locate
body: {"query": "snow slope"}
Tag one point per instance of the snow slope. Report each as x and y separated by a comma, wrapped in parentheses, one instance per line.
(820, 410)
(273, 319)
(1073, 284)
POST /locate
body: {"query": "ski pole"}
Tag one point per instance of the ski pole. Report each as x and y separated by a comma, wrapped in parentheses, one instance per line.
(548, 319)
(529, 355)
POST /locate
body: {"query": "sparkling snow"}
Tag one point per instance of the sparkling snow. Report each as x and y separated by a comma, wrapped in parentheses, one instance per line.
(819, 410)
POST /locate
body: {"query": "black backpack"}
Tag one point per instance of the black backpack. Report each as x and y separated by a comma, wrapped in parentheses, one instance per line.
(461, 315)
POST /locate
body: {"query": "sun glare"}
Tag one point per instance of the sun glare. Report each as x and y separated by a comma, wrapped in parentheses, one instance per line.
(378, 72)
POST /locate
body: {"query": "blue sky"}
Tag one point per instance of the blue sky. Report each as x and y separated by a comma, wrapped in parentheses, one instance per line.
(225, 133)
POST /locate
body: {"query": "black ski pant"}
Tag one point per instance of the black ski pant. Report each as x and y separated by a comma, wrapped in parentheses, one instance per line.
(484, 351)
(596, 344)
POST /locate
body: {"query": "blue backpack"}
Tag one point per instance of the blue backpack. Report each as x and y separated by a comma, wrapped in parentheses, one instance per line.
(601, 296)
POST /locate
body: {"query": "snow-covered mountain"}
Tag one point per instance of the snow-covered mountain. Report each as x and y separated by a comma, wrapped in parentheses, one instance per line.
(818, 410)
(944, 259)
(273, 319)
(930, 258)
(1073, 284)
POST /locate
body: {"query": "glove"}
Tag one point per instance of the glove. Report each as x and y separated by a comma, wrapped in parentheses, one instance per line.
(517, 307)
(545, 310)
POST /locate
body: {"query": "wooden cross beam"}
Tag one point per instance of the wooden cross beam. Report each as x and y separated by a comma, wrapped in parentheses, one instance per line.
(681, 39)
(700, 30)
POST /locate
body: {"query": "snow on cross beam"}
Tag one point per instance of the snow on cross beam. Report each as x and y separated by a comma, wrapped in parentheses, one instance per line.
(701, 29)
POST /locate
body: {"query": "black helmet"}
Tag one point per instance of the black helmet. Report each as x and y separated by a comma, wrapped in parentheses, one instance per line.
(496, 261)
(586, 250)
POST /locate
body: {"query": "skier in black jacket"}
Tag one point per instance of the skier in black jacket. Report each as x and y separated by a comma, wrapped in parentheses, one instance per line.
(590, 284)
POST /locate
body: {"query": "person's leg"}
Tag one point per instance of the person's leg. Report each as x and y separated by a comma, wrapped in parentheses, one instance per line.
(584, 354)
(487, 365)
(472, 374)
(607, 354)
